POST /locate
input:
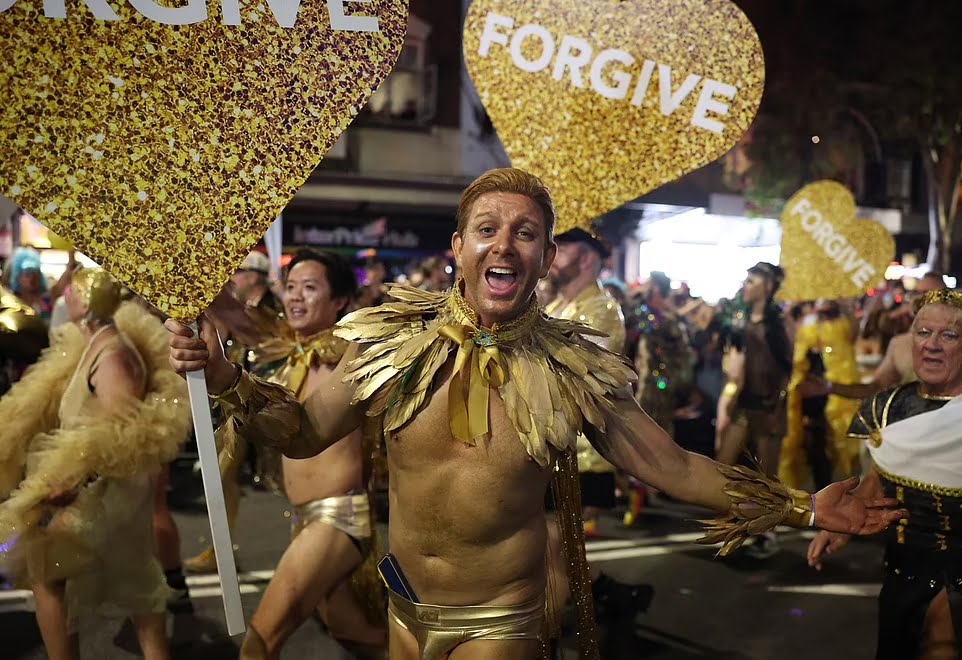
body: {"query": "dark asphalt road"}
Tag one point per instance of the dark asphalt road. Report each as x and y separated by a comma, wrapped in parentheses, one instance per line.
(723, 609)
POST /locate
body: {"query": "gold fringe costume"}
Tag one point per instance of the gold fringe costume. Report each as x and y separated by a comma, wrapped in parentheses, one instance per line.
(831, 339)
(54, 438)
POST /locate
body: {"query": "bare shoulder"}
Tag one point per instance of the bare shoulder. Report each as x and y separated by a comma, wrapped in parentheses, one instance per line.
(121, 367)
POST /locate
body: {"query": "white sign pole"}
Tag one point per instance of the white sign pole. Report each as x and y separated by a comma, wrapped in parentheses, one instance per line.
(274, 241)
(214, 492)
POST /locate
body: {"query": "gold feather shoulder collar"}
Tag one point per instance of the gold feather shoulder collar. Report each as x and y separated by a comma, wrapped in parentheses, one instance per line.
(299, 355)
(549, 376)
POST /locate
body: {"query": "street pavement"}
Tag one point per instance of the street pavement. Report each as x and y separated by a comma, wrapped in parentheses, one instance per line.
(735, 608)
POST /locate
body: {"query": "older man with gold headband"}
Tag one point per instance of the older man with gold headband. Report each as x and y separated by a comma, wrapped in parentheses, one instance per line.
(480, 397)
(83, 434)
(914, 436)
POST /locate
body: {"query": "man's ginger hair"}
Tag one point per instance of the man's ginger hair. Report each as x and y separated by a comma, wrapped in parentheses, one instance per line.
(508, 180)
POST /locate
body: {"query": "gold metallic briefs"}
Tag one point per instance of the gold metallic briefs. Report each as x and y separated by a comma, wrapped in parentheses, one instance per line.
(441, 628)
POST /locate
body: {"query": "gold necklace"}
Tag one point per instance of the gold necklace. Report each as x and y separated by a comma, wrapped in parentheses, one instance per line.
(515, 328)
(935, 397)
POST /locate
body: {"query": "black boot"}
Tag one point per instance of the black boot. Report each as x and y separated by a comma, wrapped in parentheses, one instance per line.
(614, 599)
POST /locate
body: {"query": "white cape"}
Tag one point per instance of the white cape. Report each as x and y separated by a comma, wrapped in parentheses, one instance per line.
(925, 448)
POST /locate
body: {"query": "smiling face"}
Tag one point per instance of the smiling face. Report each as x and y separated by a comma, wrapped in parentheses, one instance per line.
(502, 252)
(307, 299)
(937, 348)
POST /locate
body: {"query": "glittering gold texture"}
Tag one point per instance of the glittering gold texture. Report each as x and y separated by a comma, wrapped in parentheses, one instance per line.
(826, 251)
(596, 152)
(164, 152)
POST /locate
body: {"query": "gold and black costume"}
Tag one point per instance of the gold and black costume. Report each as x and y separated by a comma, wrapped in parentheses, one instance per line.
(817, 426)
(56, 436)
(916, 444)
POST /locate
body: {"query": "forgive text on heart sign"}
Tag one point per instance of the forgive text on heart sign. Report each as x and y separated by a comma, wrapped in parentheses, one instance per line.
(608, 99)
(827, 252)
(163, 138)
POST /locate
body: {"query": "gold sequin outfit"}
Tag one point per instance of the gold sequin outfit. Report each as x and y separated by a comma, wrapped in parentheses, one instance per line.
(664, 363)
(832, 340)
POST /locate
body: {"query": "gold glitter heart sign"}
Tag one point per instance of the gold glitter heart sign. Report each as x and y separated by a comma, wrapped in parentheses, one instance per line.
(827, 252)
(606, 100)
(163, 138)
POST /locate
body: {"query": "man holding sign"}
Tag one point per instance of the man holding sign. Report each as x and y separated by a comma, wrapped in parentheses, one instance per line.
(469, 466)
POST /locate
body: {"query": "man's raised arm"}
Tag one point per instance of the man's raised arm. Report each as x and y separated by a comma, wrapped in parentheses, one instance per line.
(266, 413)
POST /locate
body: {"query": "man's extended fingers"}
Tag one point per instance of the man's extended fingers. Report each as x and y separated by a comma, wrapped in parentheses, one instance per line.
(815, 549)
(882, 503)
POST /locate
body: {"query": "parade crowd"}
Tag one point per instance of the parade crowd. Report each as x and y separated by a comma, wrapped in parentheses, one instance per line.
(793, 396)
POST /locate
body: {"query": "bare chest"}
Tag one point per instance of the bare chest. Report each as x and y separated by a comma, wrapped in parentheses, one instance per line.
(427, 441)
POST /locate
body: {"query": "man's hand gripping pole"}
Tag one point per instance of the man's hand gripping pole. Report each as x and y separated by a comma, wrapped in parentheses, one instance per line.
(214, 492)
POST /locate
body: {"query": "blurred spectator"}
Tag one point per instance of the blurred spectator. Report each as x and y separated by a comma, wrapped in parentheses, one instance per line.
(374, 290)
(250, 283)
(22, 336)
(434, 275)
(663, 358)
(28, 283)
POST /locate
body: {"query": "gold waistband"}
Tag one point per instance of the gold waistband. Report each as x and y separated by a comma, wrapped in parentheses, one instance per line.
(935, 489)
(522, 621)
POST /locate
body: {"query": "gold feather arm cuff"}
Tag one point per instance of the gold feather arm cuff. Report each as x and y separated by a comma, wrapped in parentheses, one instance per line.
(266, 414)
(759, 504)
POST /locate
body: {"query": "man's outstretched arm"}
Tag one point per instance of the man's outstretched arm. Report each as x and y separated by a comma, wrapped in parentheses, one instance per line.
(266, 413)
(635, 444)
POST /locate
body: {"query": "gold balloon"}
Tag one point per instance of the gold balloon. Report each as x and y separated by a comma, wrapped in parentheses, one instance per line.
(826, 251)
(165, 151)
(606, 100)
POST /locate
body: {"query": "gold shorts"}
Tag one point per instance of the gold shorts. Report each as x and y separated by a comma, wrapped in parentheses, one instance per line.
(440, 628)
(349, 513)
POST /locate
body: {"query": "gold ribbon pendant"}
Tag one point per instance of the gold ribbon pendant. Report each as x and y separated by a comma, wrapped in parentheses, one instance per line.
(477, 368)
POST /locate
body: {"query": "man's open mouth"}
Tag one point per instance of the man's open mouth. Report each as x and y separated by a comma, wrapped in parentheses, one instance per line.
(501, 279)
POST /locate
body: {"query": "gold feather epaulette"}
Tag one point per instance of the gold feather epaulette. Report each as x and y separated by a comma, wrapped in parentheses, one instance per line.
(549, 376)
